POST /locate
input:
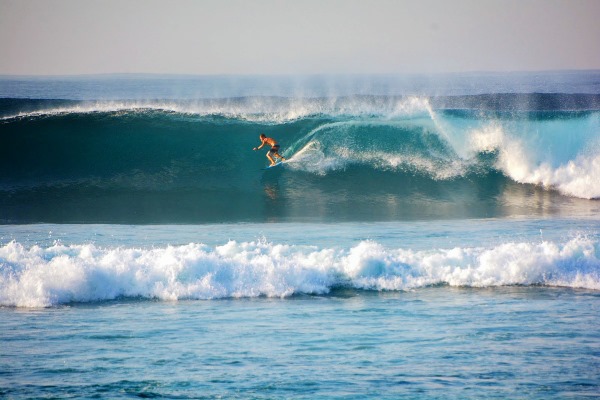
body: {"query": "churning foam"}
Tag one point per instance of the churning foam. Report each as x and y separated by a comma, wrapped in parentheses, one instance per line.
(37, 277)
(526, 162)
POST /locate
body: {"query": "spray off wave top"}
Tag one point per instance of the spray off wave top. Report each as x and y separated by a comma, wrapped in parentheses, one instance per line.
(278, 109)
(254, 109)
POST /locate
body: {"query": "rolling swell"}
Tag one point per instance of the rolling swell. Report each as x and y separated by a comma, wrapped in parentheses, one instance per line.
(362, 158)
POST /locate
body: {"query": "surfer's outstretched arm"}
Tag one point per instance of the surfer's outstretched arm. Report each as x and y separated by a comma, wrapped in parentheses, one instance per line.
(263, 141)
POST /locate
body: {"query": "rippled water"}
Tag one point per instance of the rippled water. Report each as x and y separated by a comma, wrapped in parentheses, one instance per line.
(433, 343)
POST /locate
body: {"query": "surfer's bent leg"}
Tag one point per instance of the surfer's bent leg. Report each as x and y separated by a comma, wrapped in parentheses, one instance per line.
(275, 152)
(269, 156)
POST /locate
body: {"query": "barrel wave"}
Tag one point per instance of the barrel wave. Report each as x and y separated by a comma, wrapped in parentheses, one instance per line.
(351, 158)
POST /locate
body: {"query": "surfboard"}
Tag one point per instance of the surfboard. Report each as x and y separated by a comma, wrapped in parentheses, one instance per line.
(275, 165)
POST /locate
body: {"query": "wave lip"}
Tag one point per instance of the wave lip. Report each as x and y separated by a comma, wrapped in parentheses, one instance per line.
(41, 277)
(285, 109)
(253, 109)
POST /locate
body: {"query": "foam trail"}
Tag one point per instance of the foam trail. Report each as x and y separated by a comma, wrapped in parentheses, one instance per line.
(381, 144)
(59, 274)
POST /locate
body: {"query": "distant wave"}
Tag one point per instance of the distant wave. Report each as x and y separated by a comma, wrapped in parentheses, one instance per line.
(150, 86)
(60, 274)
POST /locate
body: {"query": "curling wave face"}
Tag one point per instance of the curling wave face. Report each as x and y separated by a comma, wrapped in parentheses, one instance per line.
(200, 148)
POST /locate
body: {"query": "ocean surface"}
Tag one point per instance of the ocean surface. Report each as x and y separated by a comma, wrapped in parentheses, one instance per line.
(429, 237)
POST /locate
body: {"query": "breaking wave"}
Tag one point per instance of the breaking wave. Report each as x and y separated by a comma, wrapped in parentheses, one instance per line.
(60, 274)
(93, 149)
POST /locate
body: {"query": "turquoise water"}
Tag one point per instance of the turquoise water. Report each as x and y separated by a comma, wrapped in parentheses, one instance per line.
(429, 238)
(497, 308)
(508, 342)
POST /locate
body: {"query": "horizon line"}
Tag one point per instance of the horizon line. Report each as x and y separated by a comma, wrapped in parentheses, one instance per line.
(315, 74)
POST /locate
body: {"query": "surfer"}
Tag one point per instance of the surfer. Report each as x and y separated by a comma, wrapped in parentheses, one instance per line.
(273, 152)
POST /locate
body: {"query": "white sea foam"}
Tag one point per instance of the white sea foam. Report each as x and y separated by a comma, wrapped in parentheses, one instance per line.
(38, 277)
(524, 161)
(312, 158)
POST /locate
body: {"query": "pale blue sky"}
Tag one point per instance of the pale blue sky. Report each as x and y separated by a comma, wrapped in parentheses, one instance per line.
(297, 37)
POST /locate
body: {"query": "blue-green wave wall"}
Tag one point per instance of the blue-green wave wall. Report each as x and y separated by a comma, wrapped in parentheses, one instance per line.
(65, 161)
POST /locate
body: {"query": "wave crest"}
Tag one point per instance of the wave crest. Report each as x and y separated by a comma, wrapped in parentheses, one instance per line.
(252, 109)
